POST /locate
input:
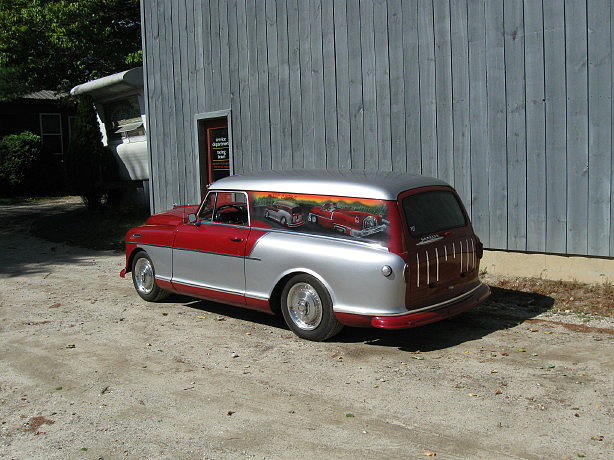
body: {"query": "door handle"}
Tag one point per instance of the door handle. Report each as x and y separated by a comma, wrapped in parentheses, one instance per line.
(236, 239)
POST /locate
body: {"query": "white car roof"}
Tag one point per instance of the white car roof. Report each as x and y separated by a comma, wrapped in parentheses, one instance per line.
(360, 184)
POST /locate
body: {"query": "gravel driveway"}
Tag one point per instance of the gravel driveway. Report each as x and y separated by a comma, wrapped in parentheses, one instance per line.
(88, 370)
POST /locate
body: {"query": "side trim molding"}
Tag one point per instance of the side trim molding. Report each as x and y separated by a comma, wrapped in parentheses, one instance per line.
(196, 250)
(204, 286)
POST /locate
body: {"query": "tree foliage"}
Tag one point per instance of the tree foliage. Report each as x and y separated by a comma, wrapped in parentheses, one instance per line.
(86, 155)
(19, 155)
(57, 44)
(10, 85)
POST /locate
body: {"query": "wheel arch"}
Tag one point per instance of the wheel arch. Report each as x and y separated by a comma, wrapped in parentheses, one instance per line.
(275, 296)
(133, 254)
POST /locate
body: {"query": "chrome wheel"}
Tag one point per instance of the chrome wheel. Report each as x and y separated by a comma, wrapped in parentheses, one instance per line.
(144, 276)
(304, 306)
(369, 222)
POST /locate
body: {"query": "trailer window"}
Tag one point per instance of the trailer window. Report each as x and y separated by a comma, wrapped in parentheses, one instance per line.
(432, 212)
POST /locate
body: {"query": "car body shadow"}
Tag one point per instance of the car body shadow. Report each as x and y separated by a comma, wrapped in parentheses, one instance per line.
(506, 308)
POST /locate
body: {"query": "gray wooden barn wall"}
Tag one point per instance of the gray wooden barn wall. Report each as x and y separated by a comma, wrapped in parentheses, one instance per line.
(509, 100)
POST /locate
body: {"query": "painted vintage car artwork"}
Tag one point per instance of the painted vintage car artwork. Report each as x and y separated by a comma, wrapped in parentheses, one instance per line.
(346, 221)
(389, 250)
(333, 216)
(287, 213)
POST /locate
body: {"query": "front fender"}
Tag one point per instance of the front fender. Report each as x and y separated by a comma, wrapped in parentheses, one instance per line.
(154, 239)
(130, 251)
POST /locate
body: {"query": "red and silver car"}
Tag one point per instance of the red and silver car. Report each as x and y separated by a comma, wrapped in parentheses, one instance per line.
(420, 266)
(353, 223)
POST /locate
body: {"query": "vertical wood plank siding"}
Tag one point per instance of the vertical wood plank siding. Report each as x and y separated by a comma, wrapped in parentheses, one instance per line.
(508, 100)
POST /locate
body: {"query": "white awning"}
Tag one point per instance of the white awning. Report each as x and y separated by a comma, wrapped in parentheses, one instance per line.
(111, 84)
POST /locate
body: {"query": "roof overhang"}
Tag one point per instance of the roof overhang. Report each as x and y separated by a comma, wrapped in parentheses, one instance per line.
(111, 85)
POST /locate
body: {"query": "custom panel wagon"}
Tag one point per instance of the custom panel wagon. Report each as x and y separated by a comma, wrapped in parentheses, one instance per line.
(323, 249)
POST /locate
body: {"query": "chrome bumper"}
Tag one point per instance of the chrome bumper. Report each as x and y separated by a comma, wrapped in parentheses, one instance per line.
(369, 231)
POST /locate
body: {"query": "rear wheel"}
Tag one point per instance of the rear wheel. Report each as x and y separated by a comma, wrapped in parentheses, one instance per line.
(308, 309)
(144, 278)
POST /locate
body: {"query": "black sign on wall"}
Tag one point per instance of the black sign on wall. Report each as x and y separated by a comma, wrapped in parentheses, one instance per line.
(219, 153)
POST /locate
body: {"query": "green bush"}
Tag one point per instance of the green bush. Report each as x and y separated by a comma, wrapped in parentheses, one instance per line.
(19, 157)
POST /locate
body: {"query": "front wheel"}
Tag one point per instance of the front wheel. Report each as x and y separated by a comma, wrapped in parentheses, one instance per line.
(308, 309)
(144, 279)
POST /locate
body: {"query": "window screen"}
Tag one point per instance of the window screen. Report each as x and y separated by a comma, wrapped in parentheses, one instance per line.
(51, 133)
(431, 212)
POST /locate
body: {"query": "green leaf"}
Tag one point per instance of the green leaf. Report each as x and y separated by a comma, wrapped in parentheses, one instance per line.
(57, 44)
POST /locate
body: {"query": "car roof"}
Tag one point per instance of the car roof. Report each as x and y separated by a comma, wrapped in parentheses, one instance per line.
(351, 183)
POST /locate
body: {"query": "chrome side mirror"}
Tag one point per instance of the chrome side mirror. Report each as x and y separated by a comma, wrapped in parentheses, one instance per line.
(193, 220)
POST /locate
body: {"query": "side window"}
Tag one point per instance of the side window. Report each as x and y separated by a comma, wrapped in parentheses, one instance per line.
(230, 208)
(332, 216)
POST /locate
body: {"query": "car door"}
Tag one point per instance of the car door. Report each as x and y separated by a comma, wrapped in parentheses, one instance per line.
(209, 254)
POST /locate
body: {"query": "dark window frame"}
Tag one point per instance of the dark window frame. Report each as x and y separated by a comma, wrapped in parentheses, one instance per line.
(54, 134)
(414, 234)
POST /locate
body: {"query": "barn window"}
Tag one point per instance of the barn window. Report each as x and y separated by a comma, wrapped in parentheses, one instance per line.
(51, 133)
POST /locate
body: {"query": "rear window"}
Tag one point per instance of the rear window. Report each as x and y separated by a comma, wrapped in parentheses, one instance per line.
(432, 212)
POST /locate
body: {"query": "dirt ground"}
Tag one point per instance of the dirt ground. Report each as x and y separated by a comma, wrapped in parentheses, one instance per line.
(88, 370)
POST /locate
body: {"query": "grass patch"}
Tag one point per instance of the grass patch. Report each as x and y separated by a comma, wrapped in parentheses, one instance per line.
(569, 296)
(101, 229)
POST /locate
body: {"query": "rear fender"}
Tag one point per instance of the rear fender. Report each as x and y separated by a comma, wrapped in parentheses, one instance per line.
(300, 271)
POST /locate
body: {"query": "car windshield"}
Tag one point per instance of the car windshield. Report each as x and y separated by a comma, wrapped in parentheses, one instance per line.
(432, 212)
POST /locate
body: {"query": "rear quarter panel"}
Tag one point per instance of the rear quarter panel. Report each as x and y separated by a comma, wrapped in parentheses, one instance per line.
(351, 272)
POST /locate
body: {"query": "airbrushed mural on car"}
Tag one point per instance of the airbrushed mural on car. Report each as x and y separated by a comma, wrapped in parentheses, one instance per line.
(355, 218)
